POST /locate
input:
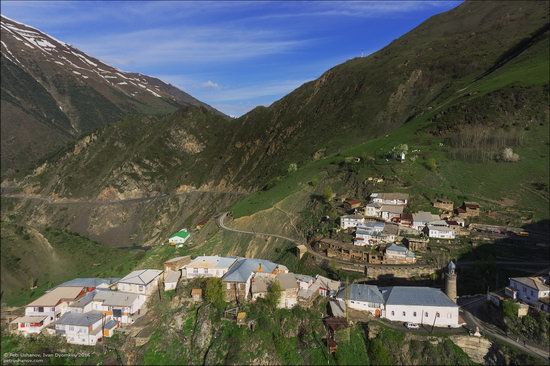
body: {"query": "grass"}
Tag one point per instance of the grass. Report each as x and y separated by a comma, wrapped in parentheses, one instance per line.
(51, 256)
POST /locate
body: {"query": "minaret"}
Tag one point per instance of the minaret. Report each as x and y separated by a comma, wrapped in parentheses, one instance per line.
(450, 281)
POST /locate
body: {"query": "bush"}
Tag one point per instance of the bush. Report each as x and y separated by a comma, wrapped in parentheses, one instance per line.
(431, 164)
(328, 193)
(273, 295)
(214, 293)
(508, 155)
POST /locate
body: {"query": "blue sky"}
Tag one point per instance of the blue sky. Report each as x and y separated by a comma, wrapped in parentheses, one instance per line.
(232, 55)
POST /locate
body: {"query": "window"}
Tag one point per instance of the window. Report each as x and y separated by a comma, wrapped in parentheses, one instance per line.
(426, 314)
(414, 314)
(437, 315)
(532, 293)
(392, 313)
(141, 288)
(195, 270)
(404, 313)
(71, 327)
(449, 315)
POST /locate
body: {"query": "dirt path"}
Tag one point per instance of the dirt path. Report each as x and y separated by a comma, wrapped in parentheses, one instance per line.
(77, 201)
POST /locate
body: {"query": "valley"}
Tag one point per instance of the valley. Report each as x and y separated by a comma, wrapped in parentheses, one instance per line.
(455, 110)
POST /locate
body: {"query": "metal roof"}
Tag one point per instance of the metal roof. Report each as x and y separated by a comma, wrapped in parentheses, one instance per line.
(440, 228)
(110, 324)
(183, 233)
(420, 296)
(424, 216)
(89, 282)
(360, 292)
(29, 319)
(390, 196)
(172, 276)
(244, 267)
(115, 298)
(212, 262)
(56, 295)
(397, 248)
(533, 282)
(83, 301)
(304, 278)
(80, 319)
(287, 280)
(141, 276)
(396, 209)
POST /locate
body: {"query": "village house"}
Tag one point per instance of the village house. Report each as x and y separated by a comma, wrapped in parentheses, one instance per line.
(237, 280)
(124, 307)
(420, 305)
(422, 218)
(439, 232)
(391, 212)
(397, 254)
(91, 284)
(416, 244)
(171, 279)
(350, 204)
(142, 281)
(326, 286)
(336, 249)
(471, 208)
(534, 291)
(390, 198)
(362, 297)
(261, 282)
(372, 209)
(176, 264)
(351, 221)
(83, 329)
(179, 238)
(443, 204)
(304, 281)
(208, 266)
(46, 309)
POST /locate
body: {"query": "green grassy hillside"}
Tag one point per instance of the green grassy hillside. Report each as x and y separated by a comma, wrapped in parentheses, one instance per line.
(34, 261)
(510, 102)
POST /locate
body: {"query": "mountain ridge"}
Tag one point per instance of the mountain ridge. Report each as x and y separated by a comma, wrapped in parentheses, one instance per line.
(52, 93)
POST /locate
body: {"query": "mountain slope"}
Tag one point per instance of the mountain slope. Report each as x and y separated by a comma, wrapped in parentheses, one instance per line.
(53, 93)
(482, 64)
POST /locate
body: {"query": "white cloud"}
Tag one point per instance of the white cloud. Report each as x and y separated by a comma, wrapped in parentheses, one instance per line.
(210, 85)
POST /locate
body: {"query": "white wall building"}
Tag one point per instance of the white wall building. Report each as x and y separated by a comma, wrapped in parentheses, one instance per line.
(420, 305)
(422, 218)
(351, 221)
(440, 232)
(208, 266)
(390, 198)
(171, 279)
(529, 289)
(46, 309)
(179, 238)
(372, 209)
(142, 282)
(363, 297)
(124, 307)
(81, 328)
(389, 212)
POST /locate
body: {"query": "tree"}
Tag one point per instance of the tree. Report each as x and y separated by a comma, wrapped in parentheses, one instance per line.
(510, 309)
(214, 293)
(274, 294)
(328, 193)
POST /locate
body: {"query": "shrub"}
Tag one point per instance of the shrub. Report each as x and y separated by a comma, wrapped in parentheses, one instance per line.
(508, 155)
(214, 293)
